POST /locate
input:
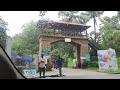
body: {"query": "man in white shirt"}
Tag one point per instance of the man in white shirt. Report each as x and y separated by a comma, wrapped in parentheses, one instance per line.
(42, 63)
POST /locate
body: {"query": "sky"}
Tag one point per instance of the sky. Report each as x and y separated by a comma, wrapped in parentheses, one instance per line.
(16, 19)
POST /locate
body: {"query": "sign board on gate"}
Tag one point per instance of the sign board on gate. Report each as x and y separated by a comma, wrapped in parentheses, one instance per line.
(45, 52)
(87, 57)
(67, 39)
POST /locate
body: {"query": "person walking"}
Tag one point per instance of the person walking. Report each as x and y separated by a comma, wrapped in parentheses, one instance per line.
(59, 63)
(42, 63)
(55, 65)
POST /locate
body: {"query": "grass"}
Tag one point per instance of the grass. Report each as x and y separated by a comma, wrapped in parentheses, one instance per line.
(91, 69)
(97, 70)
(117, 72)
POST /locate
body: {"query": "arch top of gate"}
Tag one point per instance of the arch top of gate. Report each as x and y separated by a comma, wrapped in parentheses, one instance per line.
(59, 28)
(61, 25)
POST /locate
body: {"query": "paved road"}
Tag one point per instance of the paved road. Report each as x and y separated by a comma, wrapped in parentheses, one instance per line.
(79, 74)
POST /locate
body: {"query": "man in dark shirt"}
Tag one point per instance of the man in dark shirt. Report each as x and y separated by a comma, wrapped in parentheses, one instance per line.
(60, 62)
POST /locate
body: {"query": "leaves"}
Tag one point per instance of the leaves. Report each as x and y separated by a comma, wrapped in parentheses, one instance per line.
(42, 13)
(27, 41)
(3, 35)
(63, 49)
(74, 17)
(93, 15)
(110, 33)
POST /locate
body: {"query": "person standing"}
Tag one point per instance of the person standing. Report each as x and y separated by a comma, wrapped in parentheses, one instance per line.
(60, 62)
(42, 63)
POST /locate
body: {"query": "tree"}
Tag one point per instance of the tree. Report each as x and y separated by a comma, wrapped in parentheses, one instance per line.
(118, 13)
(93, 15)
(98, 39)
(3, 35)
(27, 41)
(42, 13)
(74, 17)
(110, 33)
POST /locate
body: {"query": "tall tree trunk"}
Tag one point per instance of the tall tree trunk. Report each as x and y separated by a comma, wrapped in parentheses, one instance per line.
(94, 27)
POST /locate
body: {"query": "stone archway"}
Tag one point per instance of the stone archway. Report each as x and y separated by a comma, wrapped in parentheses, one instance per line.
(81, 44)
(77, 45)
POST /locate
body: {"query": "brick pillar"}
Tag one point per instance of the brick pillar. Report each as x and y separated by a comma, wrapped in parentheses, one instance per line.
(84, 48)
(78, 54)
(44, 44)
(84, 51)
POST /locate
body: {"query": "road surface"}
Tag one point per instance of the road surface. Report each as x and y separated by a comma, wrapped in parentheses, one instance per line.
(79, 74)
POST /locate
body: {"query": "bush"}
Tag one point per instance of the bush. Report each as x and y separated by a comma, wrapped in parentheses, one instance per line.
(93, 64)
(94, 58)
(118, 61)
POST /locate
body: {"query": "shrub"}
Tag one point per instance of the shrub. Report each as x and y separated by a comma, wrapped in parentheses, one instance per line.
(94, 58)
(118, 61)
(93, 64)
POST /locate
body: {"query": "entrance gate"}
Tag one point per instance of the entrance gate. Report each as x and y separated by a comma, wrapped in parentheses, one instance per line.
(53, 31)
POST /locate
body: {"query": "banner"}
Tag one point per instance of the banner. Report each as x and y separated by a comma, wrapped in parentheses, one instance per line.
(107, 60)
(29, 72)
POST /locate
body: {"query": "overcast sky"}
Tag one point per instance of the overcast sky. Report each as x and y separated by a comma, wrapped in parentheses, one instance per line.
(16, 19)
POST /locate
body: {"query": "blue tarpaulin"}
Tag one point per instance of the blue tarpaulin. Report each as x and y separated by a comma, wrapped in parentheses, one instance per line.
(29, 61)
(26, 60)
(19, 58)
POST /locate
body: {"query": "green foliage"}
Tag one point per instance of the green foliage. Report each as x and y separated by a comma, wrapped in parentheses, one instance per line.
(3, 35)
(94, 58)
(27, 41)
(93, 15)
(98, 42)
(74, 17)
(65, 50)
(94, 64)
(118, 61)
(110, 33)
(110, 23)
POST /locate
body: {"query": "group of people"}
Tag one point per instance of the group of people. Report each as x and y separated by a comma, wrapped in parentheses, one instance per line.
(42, 64)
